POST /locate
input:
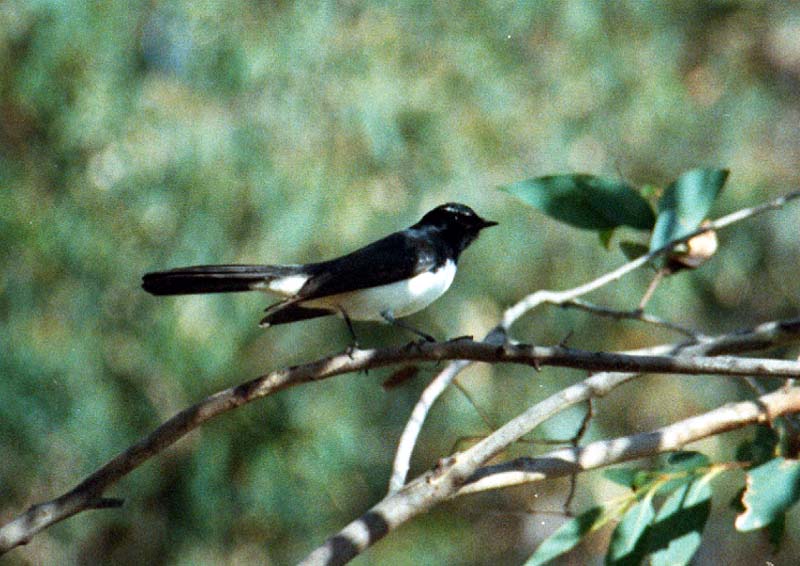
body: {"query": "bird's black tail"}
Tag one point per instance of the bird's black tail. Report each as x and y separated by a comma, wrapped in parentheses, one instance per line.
(214, 278)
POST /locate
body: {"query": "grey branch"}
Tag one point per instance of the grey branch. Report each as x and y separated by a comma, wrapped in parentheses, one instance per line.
(460, 475)
(408, 440)
(568, 461)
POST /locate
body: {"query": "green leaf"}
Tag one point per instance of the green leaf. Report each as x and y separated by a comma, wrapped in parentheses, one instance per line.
(633, 478)
(787, 439)
(628, 545)
(586, 201)
(677, 531)
(686, 461)
(685, 204)
(626, 477)
(571, 533)
(772, 488)
(683, 466)
(681, 463)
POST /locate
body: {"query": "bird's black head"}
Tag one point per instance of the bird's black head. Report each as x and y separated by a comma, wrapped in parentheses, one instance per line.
(458, 224)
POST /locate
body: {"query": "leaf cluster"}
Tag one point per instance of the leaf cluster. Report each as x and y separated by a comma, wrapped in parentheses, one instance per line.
(663, 516)
(604, 204)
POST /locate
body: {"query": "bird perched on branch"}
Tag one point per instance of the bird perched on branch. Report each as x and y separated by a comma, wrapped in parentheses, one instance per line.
(388, 279)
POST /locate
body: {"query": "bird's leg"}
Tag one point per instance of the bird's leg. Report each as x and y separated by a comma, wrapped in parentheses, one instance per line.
(354, 346)
(389, 317)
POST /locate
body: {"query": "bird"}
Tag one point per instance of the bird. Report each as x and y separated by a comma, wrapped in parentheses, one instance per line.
(388, 279)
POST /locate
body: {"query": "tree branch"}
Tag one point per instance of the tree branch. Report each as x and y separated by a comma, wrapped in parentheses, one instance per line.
(451, 473)
(568, 461)
(445, 481)
(89, 492)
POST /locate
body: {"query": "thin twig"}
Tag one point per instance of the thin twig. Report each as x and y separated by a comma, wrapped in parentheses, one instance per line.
(483, 416)
(575, 441)
(632, 315)
(651, 288)
(402, 456)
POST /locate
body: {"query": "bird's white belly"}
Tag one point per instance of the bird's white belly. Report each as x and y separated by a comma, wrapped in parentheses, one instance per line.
(401, 298)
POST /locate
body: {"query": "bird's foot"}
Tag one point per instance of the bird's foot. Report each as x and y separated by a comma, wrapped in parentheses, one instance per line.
(352, 349)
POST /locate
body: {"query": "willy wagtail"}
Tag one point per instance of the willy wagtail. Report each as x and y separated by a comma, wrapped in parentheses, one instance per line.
(388, 279)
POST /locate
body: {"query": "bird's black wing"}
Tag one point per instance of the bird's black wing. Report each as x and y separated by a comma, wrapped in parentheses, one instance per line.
(398, 256)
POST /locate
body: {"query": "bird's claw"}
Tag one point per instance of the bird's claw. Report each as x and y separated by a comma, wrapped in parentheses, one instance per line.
(352, 349)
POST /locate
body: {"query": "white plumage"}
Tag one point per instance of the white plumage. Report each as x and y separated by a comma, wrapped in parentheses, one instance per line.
(400, 299)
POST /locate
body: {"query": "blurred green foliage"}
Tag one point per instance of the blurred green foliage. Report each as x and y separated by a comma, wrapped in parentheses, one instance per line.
(144, 135)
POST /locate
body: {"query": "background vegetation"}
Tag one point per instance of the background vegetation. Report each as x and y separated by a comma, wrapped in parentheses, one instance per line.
(141, 136)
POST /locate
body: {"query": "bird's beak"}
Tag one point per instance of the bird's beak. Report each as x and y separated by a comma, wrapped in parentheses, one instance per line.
(487, 223)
